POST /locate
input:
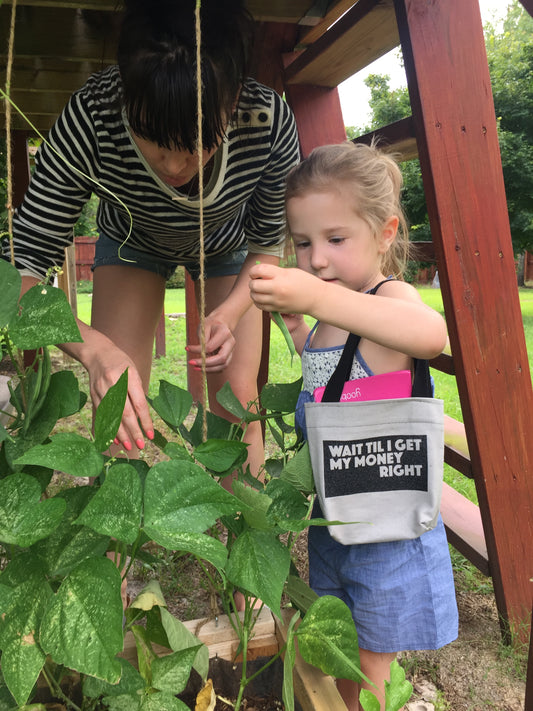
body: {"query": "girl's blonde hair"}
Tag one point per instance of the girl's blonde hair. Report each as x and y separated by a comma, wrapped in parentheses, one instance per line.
(375, 180)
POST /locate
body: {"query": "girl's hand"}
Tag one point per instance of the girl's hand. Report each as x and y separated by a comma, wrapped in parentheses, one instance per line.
(104, 371)
(284, 290)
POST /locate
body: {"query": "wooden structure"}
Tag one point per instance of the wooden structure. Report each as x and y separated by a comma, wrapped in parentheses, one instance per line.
(305, 48)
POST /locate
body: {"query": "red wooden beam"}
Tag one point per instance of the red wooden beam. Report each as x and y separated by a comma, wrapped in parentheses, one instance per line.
(318, 113)
(453, 111)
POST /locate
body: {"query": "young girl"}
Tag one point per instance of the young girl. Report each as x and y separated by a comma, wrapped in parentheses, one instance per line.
(349, 235)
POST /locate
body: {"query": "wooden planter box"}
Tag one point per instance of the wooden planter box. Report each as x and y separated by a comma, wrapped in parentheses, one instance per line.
(314, 690)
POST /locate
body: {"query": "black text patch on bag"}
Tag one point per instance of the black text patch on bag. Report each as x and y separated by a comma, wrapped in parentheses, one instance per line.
(391, 463)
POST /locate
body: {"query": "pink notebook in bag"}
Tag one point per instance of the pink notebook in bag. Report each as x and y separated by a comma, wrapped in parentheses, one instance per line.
(376, 387)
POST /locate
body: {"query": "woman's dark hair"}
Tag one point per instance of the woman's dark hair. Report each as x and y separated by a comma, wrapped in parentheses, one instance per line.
(157, 61)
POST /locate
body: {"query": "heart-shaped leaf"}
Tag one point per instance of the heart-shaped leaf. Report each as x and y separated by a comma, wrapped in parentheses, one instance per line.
(82, 626)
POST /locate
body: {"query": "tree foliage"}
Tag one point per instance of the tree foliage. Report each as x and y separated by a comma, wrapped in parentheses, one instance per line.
(510, 59)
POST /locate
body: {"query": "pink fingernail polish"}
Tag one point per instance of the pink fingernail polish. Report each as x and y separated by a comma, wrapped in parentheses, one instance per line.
(150, 434)
(140, 443)
(127, 446)
(116, 441)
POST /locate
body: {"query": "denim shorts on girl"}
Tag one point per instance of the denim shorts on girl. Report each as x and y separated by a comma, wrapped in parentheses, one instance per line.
(107, 252)
(401, 593)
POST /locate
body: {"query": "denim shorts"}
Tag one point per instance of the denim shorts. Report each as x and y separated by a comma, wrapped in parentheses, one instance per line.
(106, 252)
(401, 593)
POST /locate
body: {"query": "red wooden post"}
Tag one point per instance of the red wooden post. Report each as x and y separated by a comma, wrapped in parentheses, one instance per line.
(318, 113)
(194, 377)
(453, 111)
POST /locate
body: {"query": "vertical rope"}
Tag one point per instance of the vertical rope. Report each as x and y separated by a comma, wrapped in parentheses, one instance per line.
(199, 148)
(9, 158)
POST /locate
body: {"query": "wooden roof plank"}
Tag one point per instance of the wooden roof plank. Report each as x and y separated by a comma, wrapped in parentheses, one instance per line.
(272, 10)
(363, 34)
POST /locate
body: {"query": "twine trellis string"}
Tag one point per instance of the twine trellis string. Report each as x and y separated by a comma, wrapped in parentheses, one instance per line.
(199, 149)
(9, 184)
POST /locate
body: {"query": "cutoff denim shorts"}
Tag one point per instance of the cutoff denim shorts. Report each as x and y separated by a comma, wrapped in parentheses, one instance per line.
(401, 593)
(106, 252)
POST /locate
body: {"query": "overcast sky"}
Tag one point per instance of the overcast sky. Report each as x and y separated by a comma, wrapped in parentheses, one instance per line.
(354, 95)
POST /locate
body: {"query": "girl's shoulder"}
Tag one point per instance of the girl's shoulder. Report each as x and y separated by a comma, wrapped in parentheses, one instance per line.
(397, 289)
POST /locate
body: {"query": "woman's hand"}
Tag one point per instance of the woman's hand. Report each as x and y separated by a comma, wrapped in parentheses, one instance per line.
(105, 367)
(219, 345)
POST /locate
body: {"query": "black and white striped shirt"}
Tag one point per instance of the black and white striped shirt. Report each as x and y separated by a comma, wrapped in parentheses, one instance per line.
(91, 150)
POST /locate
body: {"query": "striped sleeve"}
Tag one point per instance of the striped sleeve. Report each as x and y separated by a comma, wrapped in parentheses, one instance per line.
(60, 186)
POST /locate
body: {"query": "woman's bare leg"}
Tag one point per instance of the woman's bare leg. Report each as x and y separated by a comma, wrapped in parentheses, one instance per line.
(127, 304)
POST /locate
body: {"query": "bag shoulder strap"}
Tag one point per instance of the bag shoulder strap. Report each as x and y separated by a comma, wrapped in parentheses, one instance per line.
(422, 386)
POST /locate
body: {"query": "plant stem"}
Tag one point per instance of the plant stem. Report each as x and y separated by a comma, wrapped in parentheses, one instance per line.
(56, 689)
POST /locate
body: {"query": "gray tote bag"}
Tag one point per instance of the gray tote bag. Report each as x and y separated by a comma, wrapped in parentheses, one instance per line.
(377, 464)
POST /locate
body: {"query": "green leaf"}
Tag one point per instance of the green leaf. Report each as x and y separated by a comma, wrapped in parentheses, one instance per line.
(217, 428)
(172, 404)
(289, 507)
(109, 413)
(124, 702)
(198, 544)
(398, 690)
(130, 682)
(24, 519)
(299, 472)
(22, 657)
(41, 426)
(327, 639)
(4, 434)
(301, 595)
(288, 665)
(145, 652)
(46, 319)
(179, 637)
(8, 703)
(64, 388)
(161, 701)
(70, 543)
(150, 596)
(232, 404)
(219, 455)
(173, 450)
(259, 564)
(255, 505)
(180, 497)
(171, 672)
(281, 397)
(368, 701)
(115, 510)
(82, 627)
(68, 452)
(11, 284)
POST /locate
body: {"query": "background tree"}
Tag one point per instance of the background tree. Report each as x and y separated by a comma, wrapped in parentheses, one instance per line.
(510, 58)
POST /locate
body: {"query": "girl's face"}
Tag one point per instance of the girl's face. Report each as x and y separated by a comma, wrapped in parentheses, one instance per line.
(174, 167)
(335, 244)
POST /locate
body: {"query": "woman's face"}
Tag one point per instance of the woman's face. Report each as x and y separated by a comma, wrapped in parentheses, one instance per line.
(174, 166)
